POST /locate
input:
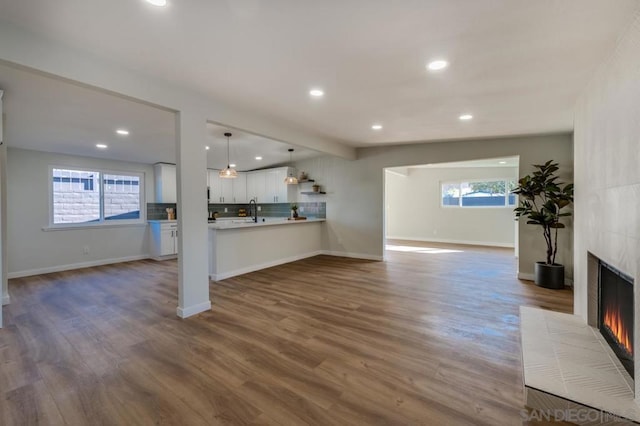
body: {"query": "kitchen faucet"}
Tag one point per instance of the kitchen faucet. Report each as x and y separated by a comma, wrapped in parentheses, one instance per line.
(255, 206)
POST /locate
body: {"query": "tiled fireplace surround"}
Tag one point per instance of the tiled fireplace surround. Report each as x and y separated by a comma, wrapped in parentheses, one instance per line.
(606, 224)
(592, 312)
(568, 365)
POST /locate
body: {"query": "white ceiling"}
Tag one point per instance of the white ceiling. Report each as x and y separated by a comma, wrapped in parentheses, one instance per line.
(48, 114)
(516, 65)
(244, 147)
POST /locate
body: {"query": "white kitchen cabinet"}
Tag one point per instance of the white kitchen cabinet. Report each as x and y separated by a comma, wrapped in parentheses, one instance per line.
(220, 189)
(268, 186)
(271, 185)
(277, 191)
(240, 189)
(256, 186)
(165, 183)
(164, 240)
(227, 191)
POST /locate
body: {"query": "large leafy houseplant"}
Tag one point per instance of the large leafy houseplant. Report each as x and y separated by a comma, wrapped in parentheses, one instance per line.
(543, 199)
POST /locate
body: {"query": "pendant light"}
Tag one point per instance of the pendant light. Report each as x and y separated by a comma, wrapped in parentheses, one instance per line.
(228, 173)
(291, 179)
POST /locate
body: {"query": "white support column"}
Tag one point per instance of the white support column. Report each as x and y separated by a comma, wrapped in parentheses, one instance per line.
(193, 249)
(4, 286)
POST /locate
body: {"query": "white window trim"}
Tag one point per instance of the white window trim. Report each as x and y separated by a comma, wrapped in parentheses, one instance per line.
(461, 181)
(102, 223)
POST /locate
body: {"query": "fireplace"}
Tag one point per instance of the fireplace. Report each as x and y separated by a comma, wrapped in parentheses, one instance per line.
(616, 314)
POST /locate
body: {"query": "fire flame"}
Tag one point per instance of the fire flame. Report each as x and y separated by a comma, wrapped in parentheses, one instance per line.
(614, 323)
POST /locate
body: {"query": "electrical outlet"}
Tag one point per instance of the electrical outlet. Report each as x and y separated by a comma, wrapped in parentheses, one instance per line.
(259, 208)
(226, 210)
(85, 250)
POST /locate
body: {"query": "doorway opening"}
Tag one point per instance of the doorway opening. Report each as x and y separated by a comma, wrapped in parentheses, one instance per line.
(455, 203)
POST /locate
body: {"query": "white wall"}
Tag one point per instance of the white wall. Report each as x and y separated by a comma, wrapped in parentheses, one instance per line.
(355, 190)
(414, 211)
(607, 172)
(4, 294)
(32, 249)
(193, 110)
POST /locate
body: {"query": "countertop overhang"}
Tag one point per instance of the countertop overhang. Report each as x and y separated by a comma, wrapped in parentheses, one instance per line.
(242, 224)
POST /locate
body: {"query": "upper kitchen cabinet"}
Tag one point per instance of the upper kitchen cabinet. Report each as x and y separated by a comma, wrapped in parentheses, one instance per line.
(240, 189)
(256, 186)
(227, 191)
(220, 189)
(165, 179)
(268, 186)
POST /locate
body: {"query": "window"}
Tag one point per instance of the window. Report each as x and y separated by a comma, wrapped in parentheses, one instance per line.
(95, 197)
(480, 193)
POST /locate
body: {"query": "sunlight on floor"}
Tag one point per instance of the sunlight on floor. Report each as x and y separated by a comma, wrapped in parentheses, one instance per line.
(425, 250)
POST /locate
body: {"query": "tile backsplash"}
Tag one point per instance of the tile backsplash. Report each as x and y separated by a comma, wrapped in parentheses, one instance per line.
(157, 211)
(318, 209)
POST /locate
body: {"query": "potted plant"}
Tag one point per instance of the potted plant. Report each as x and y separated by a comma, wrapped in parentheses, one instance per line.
(542, 200)
(294, 210)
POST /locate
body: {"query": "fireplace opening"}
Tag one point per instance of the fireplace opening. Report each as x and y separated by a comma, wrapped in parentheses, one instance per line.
(616, 313)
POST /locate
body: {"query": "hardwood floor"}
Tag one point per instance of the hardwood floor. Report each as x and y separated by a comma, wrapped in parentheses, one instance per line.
(428, 337)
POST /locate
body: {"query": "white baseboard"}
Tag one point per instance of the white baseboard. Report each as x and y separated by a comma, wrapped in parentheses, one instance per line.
(526, 277)
(167, 257)
(531, 277)
(352, 255)
(194, 309)
(6, 300)
(69, 267)
(253, 268)
(449, 241)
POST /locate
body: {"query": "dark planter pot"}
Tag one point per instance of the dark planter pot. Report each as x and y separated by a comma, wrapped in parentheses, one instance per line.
(549, 276)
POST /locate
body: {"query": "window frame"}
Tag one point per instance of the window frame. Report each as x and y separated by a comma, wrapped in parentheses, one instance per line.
(459, 182)
(101, 223)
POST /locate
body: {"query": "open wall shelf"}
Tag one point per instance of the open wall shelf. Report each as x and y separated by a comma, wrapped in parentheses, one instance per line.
(310, 192)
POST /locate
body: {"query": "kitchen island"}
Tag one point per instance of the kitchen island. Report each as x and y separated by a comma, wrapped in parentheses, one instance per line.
(240, 246)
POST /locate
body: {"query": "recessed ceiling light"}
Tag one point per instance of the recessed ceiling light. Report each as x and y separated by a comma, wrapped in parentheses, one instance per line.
(232, 165)
(207, 148)
(377, 127)
(437, 65)
(258, 158)
(465, 117)
(502, 162)
(101, 146)
(122, 132)
(316, 93)
(159, 3)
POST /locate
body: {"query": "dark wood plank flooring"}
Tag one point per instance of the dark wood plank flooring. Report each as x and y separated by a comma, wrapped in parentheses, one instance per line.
(428, 337)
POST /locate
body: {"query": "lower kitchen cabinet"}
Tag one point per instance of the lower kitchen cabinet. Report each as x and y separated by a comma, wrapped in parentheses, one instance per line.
(164, 240)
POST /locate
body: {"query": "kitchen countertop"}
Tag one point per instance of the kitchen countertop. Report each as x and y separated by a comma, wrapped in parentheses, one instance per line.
(269, 221)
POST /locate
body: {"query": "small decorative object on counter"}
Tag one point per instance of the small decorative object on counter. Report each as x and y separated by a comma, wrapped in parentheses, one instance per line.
(171, 215)
(303, 176)
(294, 210)
(242, 212)
(316, 188)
